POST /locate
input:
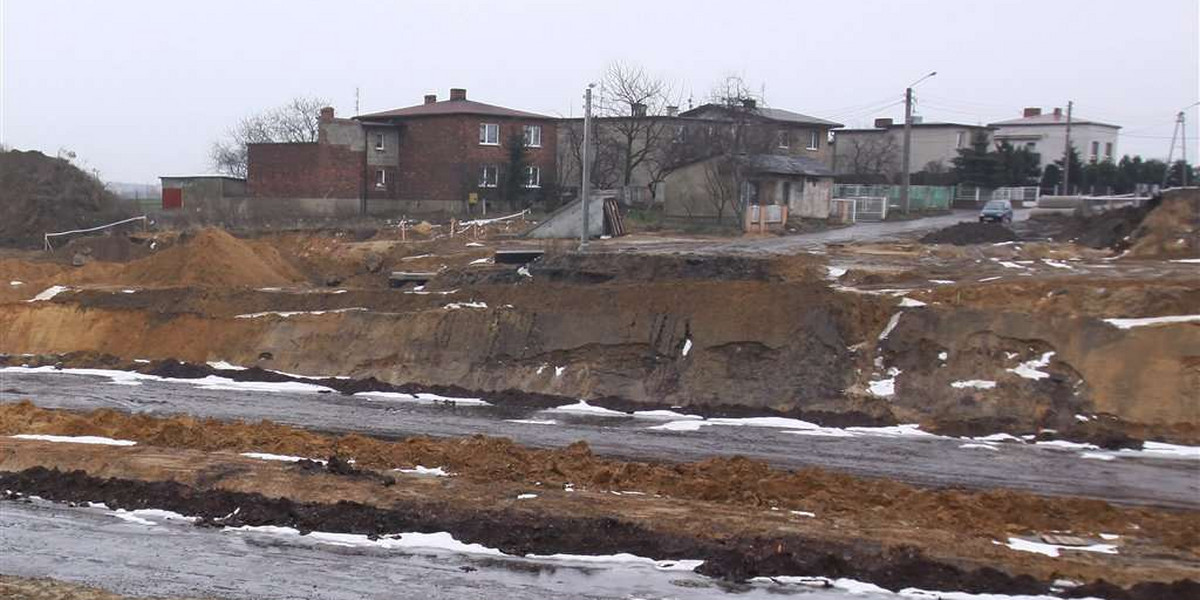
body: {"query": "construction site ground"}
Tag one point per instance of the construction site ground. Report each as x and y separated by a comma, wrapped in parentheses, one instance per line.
(658, 416)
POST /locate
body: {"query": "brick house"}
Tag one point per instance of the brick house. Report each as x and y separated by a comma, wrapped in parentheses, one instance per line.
(450, 156)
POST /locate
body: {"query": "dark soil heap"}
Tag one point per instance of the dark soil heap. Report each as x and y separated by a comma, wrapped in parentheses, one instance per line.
(40, 194)
(966, 233)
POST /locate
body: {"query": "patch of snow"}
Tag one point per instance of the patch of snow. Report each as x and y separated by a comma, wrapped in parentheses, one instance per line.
(1057, 264)
(980, 447)
(417, 257)
(1163, 450)
(1011, 265)
(225, 366)
(1067, 444)
(1053, 549)
(835, 273)
(911, 303)
(426, 471)
(404, 541)
(687, 346)
(895, 320)
(49, 293)
(987, 279)
(16, 283)
(558, 371)
(803, 513)
(524, 271)
(74, 439)
(582, 407)
(664, 414)
(998, 437)
(1150, 321)
(1191, 261)
(293, 313)
(526, 496)
(942, 281)
(1082, 418)
(421, 398)
(1097, 456)
(532, 421)
(481, 261)
(1108, 537)
(128, 291)
(458, 305)
(474, 245)
(943, 355)
(1029, 368)
(979, 384)
(278, 457)
(883, 388)
(420, 291)
(681, 426)
(621, 558)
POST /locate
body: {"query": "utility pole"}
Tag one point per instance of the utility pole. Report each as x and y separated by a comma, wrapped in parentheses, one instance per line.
(356, 100)
(1183, 146)
(907, 150)
(585, 185)
(1067, 153)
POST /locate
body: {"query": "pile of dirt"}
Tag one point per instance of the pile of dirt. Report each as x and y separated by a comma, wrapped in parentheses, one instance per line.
(1111, 229)
(521, 532)
(602, 268)
(731, 481)
(43, 194)
(970, 232)
(212, 258)
(1171, 230)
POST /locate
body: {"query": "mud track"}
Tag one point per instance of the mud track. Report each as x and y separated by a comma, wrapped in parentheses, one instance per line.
(519, 532)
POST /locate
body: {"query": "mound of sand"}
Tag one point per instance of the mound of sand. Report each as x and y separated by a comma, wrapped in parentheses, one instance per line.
(970, 232)
(212, 258)
(1172, 229)
(40, 194)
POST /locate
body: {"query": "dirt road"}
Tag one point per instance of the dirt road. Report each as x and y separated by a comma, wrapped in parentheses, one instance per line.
(924, 460)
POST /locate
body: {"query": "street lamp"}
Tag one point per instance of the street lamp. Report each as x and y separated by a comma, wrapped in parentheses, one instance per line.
(585, 185)
(907, 160)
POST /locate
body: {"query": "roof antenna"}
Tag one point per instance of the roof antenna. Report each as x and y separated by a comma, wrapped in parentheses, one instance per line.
(356, 99)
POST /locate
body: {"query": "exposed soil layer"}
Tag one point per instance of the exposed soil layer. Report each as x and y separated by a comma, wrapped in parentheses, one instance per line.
(736, 558)
(730, 481)
(1172, 230)
(962, 234)
(23, 588)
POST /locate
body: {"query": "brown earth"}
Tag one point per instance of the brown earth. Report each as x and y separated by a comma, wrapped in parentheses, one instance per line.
(25, 588)
(737, 541)
(727, 481)
(1172, 230)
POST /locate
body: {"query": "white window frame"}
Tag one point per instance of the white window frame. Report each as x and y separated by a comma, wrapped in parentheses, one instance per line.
(484, 180)
(489, 128)
(814, 139)
(530, 141)
(379, 143)
(959, 138)
(783, 139)
(380, 178)
(1108, 149)
(533, 177)
(1095, 150)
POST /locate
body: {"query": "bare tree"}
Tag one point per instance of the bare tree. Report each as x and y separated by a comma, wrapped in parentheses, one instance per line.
(876, 157)
(296, 121)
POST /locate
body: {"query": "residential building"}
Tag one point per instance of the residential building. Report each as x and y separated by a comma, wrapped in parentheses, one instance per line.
(1046, 134)
(719, 187)
(875, 154)
(665, 142)
(448, 156)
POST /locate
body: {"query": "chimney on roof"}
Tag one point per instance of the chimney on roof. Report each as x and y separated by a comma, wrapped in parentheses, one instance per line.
(749, 103)
(637, 109)
(430, 98)
(327, 114)
(672, 111)
(883, 123)
(1057, 114)
(458, 93)
(1032, 111)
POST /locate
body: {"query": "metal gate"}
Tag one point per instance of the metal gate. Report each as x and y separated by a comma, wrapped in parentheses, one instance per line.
(871, 208)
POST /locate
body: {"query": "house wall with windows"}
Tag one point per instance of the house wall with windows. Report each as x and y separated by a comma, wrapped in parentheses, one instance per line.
(1046, 134)
(931, 143)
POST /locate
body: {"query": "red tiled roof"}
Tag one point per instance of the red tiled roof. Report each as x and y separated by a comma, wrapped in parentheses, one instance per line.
(453, 107)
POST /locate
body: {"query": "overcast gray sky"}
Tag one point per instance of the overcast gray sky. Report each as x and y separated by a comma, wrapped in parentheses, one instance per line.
(140, 89)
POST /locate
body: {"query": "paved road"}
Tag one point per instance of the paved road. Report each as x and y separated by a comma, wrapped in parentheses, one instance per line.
(927, 460)
(860, 233)
(167, 558)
